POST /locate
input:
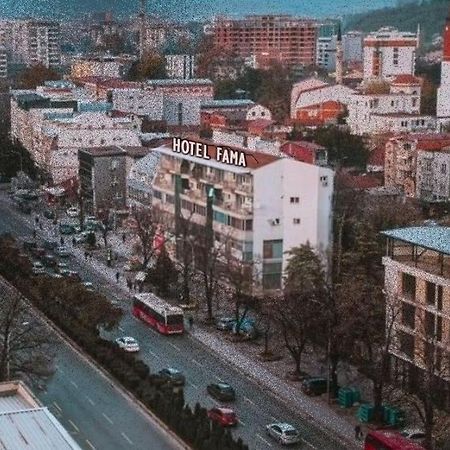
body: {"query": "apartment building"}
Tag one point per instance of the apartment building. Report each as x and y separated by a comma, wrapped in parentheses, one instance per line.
(401, 168)
(101, 66)
(32, 42)
(433, 175)
(255, 220)
(103, 173)
(25, 422)
(288, 40)
(389, 52)
(417, 288)
(181, 66)
(443, 94)
(352, 45)
(3, 62)
(326, 52)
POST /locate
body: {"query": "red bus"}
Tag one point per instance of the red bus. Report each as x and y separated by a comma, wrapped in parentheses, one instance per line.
(162, 316)
(389, 440)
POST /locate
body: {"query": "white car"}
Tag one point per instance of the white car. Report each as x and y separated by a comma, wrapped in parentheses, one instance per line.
(413, 434)
(63, 252)
(88, 286)
(129, 344)
(284, 433)
(38, 268)
(73, 211)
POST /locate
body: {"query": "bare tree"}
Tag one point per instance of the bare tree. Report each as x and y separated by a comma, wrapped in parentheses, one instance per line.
(25, 349)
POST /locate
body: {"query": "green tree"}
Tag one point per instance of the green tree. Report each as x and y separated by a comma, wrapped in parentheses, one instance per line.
(153, 66)
(35, 76)
(164, 275)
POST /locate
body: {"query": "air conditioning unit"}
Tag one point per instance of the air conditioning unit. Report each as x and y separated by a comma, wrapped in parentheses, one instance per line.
(275, 221)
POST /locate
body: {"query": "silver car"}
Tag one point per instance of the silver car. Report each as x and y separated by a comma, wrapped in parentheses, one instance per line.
(284, 433)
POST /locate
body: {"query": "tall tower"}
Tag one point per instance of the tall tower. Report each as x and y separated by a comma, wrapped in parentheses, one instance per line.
(142, 29)
(339, 57)
(443, 95)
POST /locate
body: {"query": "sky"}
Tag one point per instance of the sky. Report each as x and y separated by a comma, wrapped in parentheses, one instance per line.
(188, 9)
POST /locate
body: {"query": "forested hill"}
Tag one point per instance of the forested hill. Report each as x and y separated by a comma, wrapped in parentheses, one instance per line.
(430, 14)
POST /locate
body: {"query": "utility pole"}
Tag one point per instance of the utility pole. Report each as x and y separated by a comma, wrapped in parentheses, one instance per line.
(142, 28)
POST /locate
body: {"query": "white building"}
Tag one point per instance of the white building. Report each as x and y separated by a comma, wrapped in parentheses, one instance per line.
(180, 66)
(3, 62)
(433, 175)
(255, 220)
(100, 66)
(326, 52)
(352, 44)
(32, 42)
(443, 95)
(389, 52)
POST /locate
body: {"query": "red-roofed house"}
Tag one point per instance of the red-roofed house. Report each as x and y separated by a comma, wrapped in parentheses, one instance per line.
(375, 162)
(305, 151)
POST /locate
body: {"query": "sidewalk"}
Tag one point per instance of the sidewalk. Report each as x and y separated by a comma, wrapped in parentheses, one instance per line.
(312, 410)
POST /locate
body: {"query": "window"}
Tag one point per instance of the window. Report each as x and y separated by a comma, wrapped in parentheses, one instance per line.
(157, 194)
(296, 221)
(409, 286)
(430, 324)
(430, 293)
(169, 199)
(271, 278)
(439, 328)
(249, 225)
(407, 344)
(439, 298)
(444, 168)
(324, 180)
(273, 249)
(295, 200)
(408, 315)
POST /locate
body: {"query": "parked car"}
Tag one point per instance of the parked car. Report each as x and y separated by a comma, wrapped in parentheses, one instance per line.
(82, 237)
(414, 434)
(49, 261)
(284, 433)
(56, 275)
(50, 245)
(38, 268)
(223, 416)
(61, 268)
(225, 323)
(63, 252)
(73, 211)
(73, 275)
(38, 252)
(49, 214)
(66, 228)
(221, 391)
(173, 376)
(29, 245)
(88, 286)
(127, 343)
(316, 386)
(247, 329)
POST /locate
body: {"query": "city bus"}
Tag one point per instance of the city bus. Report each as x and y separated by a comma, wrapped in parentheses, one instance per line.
(162, 316)
(389, 440)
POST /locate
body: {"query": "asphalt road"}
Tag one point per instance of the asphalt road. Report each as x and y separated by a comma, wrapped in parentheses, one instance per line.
(254, 406)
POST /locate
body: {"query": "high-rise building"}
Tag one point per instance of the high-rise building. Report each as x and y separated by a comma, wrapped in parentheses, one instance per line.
(352, 43)
(3, 62)
(443, 96)
(288, 40)
(389, 52)
(180, 66)
(326, 52)
(339, 58)
(32, 42)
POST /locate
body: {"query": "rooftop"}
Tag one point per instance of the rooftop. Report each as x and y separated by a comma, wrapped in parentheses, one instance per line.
(227, 103)
(115, 150)
(180, 82)
(433, 237)
(406, 79)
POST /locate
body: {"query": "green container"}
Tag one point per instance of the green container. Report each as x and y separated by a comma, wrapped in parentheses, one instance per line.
(356, 395)
(345, 397)
(396, 417)
(387, 411)
(365, 413)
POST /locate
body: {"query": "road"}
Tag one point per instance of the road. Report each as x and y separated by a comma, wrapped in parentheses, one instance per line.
(255, 407)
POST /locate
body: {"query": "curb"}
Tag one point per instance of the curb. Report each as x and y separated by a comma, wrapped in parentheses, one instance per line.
(103, 372)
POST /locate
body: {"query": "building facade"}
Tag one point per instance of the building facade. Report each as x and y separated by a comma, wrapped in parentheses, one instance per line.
(3, 62)
(417, 288)
(389, 52)
(100, 66)
(288, 40)
(443, 95)
(256, 221)
(180, 66)
(352, 43)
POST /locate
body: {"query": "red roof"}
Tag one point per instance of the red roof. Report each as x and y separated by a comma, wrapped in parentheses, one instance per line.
(406, 79)
(364, 181)
(376, 157)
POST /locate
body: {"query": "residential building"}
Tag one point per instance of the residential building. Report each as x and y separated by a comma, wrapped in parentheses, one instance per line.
(326, 52)
(25, 422)
(103, 65)
(443, 95)
(180, 66)
(3, 62)
(389, 52)
(288, 40)
(352, 43)
(32, 42)
(417, 289)
(433, 175)
(103, 173)
(255, 220)
(140, 180)
(401, 167)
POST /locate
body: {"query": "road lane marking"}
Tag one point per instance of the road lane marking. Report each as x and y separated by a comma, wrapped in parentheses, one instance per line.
(214, 401)
(90, 444)
(107, 418)
(74, 426)
(90, 400)
(74, 384)
(193, 385)
(127, 438)
(175, 347)
(242, 423)
(275, 419)
(218, 378)
(57, 407)
(196, 362)
(264, 440)
(121, 329)
(248, 400)
(154, 354)
(307, 442)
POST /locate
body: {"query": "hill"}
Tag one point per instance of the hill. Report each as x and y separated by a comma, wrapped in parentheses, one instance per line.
(430, 14)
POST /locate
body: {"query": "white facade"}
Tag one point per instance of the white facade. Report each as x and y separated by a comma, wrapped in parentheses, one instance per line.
(326, 52)
(443, 94)
(180, 66)
(257, 111)
(352, 45)
(3, 62)
(144, 102)
(433, 175)
(389, 52)
(105, 66)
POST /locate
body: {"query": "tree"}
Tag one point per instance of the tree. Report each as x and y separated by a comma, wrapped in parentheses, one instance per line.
(35, 76)
(106, 226)
(25, 348)
(153, 66)
(164, 274)
(185, 250)
(148, 225)
(299, 311)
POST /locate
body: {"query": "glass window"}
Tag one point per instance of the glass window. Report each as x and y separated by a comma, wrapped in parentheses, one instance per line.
(408, 315)
(272, 275)
(273, 249)
(409, 286)
(430, 293)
